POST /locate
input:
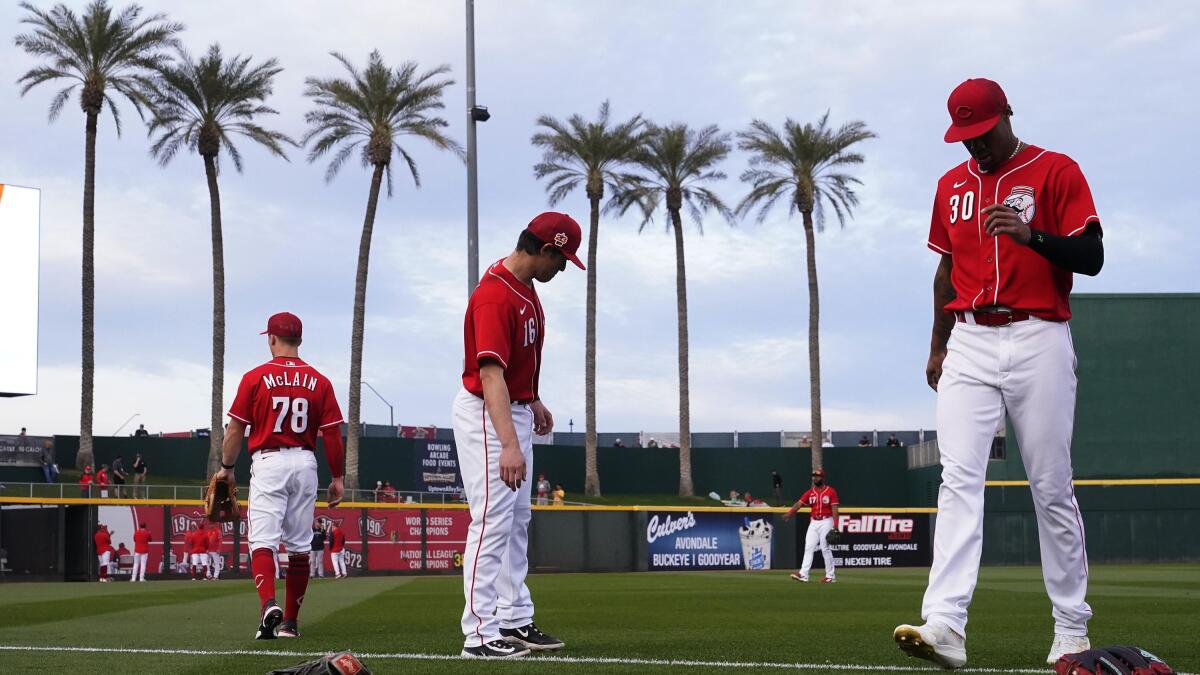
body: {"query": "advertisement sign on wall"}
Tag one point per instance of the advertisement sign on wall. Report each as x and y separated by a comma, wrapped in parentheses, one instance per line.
(708, 540)
(436, 467)
(26, 450)
(881, 540)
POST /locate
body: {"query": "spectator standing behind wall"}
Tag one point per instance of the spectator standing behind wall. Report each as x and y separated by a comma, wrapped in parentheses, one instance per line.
(85, 482)
(141, 431)
(140, 469)
(559, 495)
(543, 490)
(777, 486)
(893, 442)
(102, 481)
(118, 476)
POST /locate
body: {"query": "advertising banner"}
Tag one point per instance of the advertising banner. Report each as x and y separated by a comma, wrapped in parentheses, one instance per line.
(708, 540)
(26, 450)
(435, 467)
(445, 538)
(880, 540)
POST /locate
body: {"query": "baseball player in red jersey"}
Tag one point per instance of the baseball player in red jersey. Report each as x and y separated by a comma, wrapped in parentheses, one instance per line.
(104, 550)
(337, 552)
(495, 416)
(1012, 224)
(214, 552)
(285, 402)
(822, 501)
(141, 552)
(198, 548)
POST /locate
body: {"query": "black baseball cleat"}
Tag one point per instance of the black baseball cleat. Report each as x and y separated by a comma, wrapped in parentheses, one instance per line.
(287, 629)
(496, 649)
(532, 637)
(272, 614)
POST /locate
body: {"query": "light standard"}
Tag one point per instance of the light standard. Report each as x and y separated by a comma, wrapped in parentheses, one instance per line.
(475, 113)
(125, 422)
(391, 410)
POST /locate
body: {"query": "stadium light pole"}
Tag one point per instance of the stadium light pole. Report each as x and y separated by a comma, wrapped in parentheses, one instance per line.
(126, 422)
(475, 113)
(391, 410)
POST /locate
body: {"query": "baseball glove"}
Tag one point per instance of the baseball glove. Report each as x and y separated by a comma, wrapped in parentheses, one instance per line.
(343, 663)
(1116, 660)
(833, 537)
(221, 501)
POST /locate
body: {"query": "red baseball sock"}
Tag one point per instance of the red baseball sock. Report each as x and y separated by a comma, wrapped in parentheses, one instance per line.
(262, 565)
(297, 584)
(103, 572)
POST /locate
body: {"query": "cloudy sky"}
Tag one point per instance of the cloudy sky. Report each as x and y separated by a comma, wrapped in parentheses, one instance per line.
(1107, 83)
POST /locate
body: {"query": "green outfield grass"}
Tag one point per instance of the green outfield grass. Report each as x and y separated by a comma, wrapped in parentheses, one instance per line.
(762, 618)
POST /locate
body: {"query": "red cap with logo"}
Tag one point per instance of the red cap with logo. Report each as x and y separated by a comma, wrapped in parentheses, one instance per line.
(284, 324)
(975, 107)
(560, 230)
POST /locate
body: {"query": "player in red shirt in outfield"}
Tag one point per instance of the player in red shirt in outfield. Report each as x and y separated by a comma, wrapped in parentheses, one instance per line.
(495, 416)
(198, 548)
(337, 552)
(285, 402)
(822, 500)
(104, 550)
(1012, 225)
(141, 552)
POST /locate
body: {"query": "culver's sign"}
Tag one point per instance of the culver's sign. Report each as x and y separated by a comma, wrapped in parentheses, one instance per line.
(708, 541)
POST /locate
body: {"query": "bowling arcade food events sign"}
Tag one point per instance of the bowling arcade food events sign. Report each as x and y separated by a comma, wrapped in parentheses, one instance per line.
(708, 540)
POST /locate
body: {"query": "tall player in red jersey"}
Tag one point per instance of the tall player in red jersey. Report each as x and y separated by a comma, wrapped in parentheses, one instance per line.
(496, 414)
(285, 402)
(822, 502)
(1012, 225)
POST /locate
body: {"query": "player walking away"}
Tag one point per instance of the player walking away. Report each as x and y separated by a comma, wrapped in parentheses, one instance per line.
(215, 560)
(337, 551)
(317, 557)
(141, 552)
(495, 417)
(199, 551)
(104, 550)
(822, 500)
(543, 490)
(285, 402)
(1011, 225)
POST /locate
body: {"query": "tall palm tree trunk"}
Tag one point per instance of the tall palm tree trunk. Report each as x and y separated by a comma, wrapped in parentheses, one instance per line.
(814, 345)
(591, 465)
(686, 489)
(216, 434)
(88, 355)
(356, 332)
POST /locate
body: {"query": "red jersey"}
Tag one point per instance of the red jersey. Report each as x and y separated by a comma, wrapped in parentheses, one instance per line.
(504, 324)
(85, 479)
(821, 500)
(103, 542)
(141, 540)
(122, 551)
(198, 542)
(214, 539)
(337, 540)
(286, 402)
(1049, 193)
(101, 477)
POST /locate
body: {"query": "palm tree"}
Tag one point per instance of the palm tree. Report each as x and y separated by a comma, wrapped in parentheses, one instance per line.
(805, 164)
(200, 105)
(678, 162)
(97, 53)
(590, 153)
(369, 112)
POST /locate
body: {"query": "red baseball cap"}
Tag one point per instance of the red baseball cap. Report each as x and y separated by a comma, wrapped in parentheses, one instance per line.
(559, 229)
(284, 324)
(975, 107)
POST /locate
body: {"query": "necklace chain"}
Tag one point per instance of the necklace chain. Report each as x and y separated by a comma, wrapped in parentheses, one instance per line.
(1020, 146)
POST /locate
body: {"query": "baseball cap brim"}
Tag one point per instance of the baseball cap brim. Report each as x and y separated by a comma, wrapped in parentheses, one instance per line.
(956, 133)
(575, 259)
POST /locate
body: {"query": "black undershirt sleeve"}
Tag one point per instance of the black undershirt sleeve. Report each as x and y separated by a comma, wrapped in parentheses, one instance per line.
(1083, 254)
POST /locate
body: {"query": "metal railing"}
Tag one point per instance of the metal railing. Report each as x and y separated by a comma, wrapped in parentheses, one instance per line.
(147, 491)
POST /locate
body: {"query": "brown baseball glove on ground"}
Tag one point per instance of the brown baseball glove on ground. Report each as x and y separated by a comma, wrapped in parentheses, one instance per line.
(221, 501)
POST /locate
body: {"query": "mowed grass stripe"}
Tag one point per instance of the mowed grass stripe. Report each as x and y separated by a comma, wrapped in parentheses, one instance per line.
(88, 606)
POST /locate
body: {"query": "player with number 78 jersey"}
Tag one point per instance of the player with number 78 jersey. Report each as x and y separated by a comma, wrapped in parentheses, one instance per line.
(284, 402)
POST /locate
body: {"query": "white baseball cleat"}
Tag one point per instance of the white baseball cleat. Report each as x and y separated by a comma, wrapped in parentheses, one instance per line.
(797, 577)
(932, 642)
(1067, 644)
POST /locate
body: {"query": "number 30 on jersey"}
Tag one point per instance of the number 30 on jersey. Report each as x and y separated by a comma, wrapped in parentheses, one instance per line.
(962, 207)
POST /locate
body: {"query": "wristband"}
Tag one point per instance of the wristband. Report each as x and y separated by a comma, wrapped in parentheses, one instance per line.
(227, 466)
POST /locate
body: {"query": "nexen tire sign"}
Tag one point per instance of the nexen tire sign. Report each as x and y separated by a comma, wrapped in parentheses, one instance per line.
(881, 540)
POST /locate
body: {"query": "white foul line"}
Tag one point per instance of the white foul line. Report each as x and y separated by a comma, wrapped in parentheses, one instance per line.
(677, 663)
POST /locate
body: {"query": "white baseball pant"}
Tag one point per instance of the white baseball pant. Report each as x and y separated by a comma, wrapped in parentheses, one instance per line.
(214, 564)
(338, 559)
(1028, 370)
(814, 539)
(316, 564)
(496, 559)
(283, 497)
(139, 566)
(200, 560)
(105, 561)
